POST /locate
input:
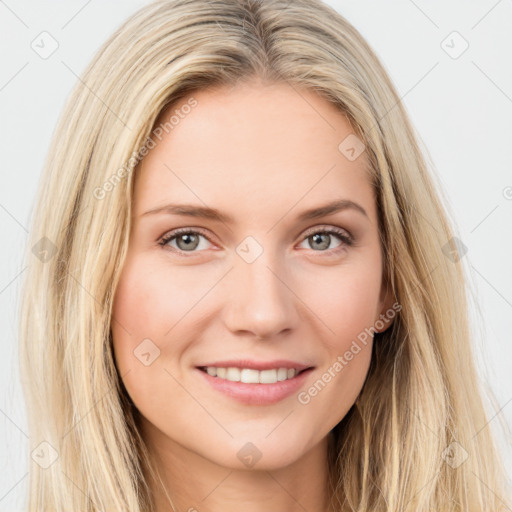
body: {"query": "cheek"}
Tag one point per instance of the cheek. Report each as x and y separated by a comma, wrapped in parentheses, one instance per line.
(154, 302)
(147, 305)
(150, 300)
(347, 304)
(141, 312)
(346, 300)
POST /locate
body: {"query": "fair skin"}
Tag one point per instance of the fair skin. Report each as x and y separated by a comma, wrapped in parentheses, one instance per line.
(261, 154)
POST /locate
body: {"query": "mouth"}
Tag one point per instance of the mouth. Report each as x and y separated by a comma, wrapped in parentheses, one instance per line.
(251, 383)
(252, 375)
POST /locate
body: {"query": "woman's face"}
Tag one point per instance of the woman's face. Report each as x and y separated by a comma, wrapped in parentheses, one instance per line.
(253, 282)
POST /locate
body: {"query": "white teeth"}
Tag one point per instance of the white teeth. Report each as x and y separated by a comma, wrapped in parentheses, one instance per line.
(250, 376)
(282, 374)
(268, 376)
(233, 374)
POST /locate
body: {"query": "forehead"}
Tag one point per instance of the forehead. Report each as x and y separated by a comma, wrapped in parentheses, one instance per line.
(252, 150)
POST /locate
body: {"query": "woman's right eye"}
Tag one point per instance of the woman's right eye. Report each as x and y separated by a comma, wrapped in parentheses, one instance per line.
(186, 240)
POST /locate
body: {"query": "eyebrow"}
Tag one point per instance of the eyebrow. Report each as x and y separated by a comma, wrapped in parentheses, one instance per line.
(214, 214)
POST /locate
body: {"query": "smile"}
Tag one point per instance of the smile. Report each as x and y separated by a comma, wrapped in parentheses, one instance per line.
(250, 375)
(255, 383)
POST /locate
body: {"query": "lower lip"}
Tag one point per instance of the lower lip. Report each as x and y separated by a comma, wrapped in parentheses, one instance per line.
(257, 394)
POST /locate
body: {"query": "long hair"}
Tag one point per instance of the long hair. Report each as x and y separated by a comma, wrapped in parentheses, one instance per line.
(416, 439)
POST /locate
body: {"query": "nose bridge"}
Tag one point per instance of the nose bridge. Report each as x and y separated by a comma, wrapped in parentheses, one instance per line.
(259, 300)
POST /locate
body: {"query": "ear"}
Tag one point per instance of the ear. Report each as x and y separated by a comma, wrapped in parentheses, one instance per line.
(388, 308)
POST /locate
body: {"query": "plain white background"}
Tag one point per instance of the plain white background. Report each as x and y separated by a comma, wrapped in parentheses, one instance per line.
(459, 99)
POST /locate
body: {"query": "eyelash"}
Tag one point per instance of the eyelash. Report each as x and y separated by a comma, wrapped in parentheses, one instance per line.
(345, 238)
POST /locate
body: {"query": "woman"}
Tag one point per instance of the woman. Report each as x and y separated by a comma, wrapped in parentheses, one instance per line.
(185, 343)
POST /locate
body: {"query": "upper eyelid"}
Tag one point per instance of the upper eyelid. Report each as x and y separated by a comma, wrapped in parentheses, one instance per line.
(327, 227)
(176, 232)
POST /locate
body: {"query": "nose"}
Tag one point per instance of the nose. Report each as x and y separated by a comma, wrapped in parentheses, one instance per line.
(259, 300)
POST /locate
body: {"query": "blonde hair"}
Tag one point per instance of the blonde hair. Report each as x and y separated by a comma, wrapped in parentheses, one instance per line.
(422, 396)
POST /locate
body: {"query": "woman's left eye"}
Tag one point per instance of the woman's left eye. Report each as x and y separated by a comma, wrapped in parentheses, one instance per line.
(321, 238)
(188, 240)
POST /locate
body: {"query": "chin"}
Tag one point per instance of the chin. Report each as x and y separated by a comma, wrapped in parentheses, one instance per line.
(264, 452)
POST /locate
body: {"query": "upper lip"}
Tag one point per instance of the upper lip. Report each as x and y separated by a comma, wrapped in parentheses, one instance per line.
(257, 365)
